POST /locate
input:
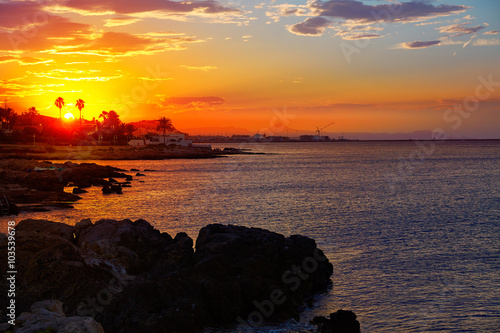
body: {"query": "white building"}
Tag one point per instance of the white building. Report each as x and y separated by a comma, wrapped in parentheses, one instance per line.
(178, 139)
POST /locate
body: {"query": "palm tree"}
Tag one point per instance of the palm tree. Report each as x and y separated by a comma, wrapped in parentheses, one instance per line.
(80, 104)
(130, 129)
(165, 125)
(60, 103)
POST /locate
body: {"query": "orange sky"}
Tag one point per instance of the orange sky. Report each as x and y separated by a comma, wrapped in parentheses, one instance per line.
(264, 66)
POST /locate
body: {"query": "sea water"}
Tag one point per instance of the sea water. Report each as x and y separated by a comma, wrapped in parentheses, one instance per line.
(411, 228)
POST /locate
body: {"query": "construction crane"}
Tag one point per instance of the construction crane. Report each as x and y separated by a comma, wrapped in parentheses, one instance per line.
(318, 130)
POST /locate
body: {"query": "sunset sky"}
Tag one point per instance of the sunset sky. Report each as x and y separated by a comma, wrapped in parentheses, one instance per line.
(267, 66)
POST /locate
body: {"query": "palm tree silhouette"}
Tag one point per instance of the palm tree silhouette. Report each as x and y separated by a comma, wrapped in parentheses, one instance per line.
(59, 103)
(165, 125)
(80, 104)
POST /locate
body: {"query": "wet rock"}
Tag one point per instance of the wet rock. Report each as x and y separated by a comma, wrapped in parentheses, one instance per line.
(139, 174)
(134, 170)
(78, 190)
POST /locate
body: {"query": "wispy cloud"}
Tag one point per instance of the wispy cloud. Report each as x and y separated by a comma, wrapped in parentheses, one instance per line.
(92, 7)
(486, 42)
(362, 36)
(212, 100)
(461, 29)
(25, 60)
(200, 10)
(200, 68)
(76, 75)
(118, 21)
(182, 104)
(492, 32)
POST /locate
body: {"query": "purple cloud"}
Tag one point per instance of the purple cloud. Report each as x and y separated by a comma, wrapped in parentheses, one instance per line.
(396, 12)
(312, 26)
(420, 44)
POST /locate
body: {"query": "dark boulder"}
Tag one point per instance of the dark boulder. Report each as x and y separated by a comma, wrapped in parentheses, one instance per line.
(116, 189)
(258, 266)
(106, 189)
(341, 321)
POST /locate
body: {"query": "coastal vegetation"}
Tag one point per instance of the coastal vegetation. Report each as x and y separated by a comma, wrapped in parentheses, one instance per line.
(31, 127)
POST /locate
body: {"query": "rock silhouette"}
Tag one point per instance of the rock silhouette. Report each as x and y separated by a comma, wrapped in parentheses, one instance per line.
(131, 277)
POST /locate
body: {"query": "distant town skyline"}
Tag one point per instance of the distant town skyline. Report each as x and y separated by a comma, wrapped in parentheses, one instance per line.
(369, 66)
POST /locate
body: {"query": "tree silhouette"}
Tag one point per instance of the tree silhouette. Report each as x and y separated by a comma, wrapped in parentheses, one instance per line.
(8, 118)
(80, 104)
(110, 120)
(30, 115)
(165, 124)
(130, 129)
(59, 103)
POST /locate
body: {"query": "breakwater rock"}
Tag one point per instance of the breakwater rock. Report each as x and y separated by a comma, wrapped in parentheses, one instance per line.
(130, 277)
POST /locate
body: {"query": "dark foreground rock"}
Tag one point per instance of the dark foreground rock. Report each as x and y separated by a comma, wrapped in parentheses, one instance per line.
(49, 314)
(341, 321)
(132, 278)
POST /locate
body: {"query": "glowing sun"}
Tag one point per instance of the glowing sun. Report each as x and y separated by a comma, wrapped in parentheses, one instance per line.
(69, 116)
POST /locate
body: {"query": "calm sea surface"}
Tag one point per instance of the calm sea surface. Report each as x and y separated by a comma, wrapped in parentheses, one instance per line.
(413, 232)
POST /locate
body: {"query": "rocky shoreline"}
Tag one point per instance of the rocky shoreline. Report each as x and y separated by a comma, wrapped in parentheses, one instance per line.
(129, 277)
(35, 186)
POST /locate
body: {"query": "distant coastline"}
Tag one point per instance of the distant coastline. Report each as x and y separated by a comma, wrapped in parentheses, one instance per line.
(81, 153)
